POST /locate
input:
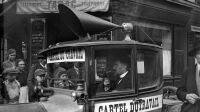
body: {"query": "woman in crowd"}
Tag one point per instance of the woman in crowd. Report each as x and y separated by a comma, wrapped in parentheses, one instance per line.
(22, 78)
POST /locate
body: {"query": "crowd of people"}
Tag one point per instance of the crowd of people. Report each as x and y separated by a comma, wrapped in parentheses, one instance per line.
(20, 84)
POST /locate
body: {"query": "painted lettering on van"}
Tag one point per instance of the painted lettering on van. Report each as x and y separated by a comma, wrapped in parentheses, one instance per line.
(142, 105)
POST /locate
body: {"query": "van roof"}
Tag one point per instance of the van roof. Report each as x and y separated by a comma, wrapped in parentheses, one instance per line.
(96, 43)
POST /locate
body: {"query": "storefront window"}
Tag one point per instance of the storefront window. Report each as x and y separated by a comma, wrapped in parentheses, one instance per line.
(160, 35)
(113, 70)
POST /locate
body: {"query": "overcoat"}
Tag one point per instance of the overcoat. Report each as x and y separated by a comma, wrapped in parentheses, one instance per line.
(188, 85)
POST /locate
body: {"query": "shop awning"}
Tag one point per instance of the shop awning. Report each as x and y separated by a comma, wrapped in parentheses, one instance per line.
(51, 6)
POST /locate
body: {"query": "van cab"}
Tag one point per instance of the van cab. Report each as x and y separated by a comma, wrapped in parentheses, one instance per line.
(85, 66)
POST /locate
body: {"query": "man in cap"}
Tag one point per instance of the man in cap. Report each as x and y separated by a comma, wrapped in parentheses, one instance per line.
(11, 86)
(40, 75)
(189, 90)
(31, 78)
(37, 85)
(41, 62)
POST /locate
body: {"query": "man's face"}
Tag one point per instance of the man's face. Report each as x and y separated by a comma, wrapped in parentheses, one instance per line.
(12, 56)
(119, 68)
(21, 65)
(40, 78)
(197, 56)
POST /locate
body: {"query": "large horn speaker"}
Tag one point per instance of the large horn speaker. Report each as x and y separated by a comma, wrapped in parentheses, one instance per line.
(81, 23)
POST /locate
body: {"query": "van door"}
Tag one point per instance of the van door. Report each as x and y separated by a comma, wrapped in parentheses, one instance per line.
(149, 73)
(112, 86)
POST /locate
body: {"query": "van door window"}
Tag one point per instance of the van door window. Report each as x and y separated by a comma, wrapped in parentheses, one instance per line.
(66, 74)
(113, 70)
(148, 68)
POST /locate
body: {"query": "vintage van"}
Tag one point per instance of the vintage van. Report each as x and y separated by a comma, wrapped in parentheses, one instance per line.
(84, 75)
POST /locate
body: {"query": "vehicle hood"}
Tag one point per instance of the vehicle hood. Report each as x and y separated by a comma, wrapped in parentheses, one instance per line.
(31, 107)
(61, 103)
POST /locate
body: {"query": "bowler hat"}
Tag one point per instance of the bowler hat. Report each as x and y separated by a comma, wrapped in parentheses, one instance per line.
(39, 72)
(195, 48)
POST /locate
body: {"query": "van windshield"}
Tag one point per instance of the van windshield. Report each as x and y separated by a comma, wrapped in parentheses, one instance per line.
(65, 75)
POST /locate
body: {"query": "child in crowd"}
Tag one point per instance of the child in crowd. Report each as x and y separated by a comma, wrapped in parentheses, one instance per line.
(37, 86)
(11, 87)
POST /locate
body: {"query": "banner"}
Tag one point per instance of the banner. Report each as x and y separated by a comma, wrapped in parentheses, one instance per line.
(145, 104)
(75, 55)
(51, 6)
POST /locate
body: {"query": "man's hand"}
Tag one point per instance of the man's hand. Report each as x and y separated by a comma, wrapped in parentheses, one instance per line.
(192, 98)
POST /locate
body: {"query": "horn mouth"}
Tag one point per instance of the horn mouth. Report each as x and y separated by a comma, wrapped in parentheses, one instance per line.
(70, 20)
(81, 23)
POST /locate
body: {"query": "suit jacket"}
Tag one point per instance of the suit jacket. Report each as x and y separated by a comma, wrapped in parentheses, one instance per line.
(125, 83)
(188, 85)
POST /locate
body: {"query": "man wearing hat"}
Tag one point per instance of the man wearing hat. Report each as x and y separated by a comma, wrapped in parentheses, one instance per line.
(36, 85)
(11, 86)
(189, 90)
(120, 76)
(41, 62)
(31, 78)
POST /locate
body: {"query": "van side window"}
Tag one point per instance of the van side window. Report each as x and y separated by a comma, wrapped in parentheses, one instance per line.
(112, 70)
(148, 68)
(65, 74)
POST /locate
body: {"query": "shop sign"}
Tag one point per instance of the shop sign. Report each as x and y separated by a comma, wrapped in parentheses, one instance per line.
(66, 56)
(145, 104)
(51, 6)
(37, 37)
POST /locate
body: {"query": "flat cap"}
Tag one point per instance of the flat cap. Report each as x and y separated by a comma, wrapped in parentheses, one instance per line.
(39, 72)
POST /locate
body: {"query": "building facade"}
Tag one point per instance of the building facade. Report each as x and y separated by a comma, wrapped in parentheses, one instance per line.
(172, 24)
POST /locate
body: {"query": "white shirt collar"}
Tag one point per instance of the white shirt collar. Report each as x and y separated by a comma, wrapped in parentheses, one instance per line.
(44, 66)
(123, 75)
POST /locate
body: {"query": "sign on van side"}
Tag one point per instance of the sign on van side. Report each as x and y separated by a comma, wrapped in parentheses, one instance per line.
(142, 105)
(75, 55)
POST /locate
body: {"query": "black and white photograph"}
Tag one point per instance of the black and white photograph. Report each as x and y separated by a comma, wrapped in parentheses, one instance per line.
(100, 56)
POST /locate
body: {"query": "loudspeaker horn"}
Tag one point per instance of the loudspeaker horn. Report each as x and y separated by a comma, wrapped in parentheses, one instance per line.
(81, 23)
